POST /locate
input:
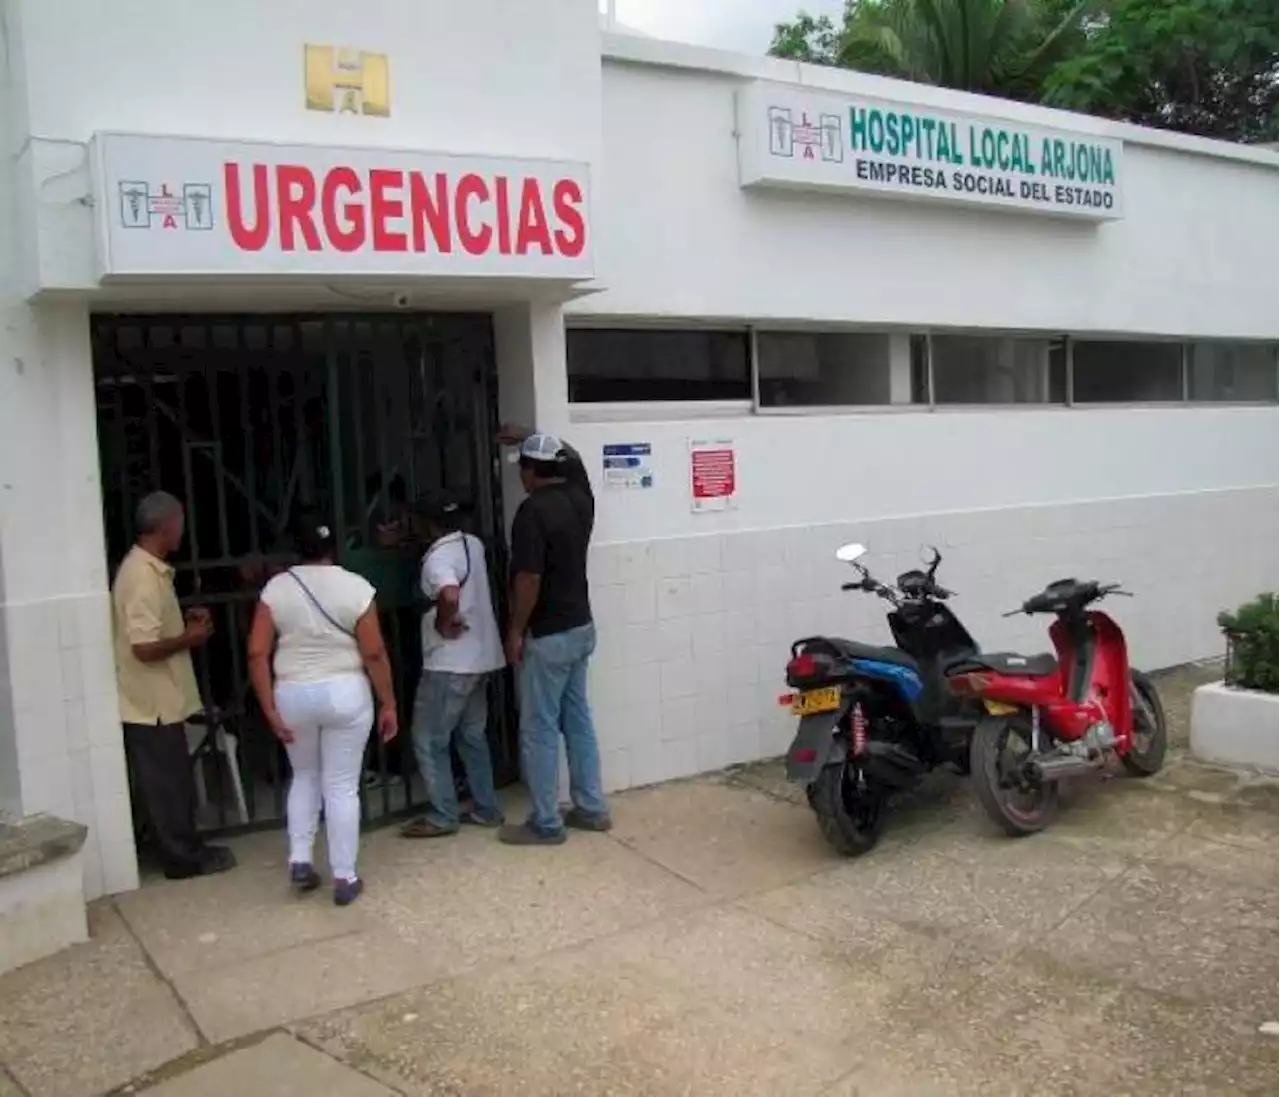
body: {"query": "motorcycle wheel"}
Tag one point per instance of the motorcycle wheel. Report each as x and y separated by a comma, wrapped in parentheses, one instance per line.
(999, 748)
(850, 820)
(1150, 736)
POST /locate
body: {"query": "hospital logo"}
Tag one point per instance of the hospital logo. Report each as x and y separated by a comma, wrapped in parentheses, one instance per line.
(347, 80)
(787, 134)
(143, 206)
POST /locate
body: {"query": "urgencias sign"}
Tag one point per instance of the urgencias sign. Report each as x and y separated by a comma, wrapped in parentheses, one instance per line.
(799, 139)
(172, 206)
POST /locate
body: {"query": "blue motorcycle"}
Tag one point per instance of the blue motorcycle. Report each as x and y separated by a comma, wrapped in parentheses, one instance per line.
(874, 720)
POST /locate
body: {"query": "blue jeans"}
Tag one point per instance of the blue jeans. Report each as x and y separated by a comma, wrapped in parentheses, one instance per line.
(553, 702)
(447, 703)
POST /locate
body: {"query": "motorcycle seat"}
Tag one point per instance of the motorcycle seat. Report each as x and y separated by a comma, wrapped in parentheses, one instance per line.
(1007, 662)
(851, 649)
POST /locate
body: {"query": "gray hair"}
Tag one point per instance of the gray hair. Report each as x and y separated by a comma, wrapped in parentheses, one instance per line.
(156, 509)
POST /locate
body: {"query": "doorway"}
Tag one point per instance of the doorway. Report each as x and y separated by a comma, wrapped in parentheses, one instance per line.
(248, 419)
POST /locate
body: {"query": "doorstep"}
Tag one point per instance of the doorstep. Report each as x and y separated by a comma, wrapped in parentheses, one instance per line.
(41, 888)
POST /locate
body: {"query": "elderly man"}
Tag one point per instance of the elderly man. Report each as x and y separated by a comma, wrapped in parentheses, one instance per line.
(157, 688)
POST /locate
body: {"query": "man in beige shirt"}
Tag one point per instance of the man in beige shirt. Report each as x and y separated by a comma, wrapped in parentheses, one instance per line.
(157, 687)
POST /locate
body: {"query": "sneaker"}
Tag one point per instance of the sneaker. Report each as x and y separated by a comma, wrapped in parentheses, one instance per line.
(303, 877)
(490, 822)
(346, 892)
(524, 835)
(581, 820)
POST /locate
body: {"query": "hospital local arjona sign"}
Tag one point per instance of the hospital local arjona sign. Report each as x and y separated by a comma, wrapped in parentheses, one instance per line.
(175, 206)
(804, 140)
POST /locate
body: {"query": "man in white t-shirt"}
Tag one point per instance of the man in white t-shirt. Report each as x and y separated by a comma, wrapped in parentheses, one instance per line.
(461, 648)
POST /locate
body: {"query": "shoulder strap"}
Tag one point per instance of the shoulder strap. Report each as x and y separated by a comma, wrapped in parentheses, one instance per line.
(466, 551)
(316, 602)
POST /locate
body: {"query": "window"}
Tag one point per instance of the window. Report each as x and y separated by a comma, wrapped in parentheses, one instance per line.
(998, 369)
(1233, 371)
(817, 369)
(617, 365)
(1125, 372)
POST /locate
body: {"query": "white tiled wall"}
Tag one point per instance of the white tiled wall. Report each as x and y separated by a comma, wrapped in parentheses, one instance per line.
(694, 631)
(67, 731)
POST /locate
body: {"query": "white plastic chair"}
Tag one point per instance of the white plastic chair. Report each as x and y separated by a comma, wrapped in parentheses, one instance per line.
(225, 743)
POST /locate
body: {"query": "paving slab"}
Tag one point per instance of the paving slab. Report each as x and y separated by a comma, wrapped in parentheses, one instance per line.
(91, 1017)
(1032, 1026)
(432, 908)
(279, 1066)
(1174, 929)
(727, 840)
(718, 1002)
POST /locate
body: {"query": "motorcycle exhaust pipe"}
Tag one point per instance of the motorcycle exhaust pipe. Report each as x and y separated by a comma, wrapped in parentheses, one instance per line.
(1051, 767)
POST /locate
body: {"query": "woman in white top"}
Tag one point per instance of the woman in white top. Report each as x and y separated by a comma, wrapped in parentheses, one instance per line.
(322, 623)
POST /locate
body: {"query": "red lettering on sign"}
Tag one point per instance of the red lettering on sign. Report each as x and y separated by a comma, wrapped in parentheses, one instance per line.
(566, 198)
(430, 211)
(295, 198)
(348, 236)
(246, 238)
(387, 210)
(533, 220)
(474, 241)
(383, 207)
(504, 215)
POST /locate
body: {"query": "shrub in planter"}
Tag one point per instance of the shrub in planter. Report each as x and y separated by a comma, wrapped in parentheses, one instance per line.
(1253, 633)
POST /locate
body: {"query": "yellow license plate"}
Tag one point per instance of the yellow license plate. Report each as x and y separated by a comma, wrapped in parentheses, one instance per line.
(999, 708)
(816, 700)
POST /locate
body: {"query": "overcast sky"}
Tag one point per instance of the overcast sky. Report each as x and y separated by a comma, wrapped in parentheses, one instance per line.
(742, 25)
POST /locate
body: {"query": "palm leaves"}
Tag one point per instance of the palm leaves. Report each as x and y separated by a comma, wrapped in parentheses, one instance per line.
(1003, 47)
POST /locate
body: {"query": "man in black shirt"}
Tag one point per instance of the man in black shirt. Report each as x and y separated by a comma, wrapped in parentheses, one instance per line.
(551, 637)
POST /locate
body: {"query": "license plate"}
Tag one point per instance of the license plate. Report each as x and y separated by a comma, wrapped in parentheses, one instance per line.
(999, 708)
(816, 700)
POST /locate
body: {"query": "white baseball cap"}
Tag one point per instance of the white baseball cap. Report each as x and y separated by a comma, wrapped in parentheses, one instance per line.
(539, 447)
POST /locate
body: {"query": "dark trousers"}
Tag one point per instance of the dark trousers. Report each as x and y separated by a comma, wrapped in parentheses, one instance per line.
(166, 786)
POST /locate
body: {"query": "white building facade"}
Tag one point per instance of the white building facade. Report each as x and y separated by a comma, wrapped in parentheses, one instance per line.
(775, 307)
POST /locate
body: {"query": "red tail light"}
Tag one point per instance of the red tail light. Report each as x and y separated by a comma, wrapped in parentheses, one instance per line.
(803, 666)
(804, 754)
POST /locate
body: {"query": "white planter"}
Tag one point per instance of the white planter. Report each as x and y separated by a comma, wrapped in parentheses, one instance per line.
(1236, 727)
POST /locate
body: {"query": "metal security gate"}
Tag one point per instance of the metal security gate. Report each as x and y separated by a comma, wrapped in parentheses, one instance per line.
(249, 419)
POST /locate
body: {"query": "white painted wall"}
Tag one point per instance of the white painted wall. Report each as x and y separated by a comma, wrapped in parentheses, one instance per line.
(1194, 254)
(472, 84)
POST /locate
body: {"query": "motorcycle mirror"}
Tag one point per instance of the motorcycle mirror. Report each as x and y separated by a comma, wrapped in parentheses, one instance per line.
(847, 554)
(930, 556)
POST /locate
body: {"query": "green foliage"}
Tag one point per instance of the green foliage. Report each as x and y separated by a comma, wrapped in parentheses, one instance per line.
(1200, 66)
(1253, 632)
(998, 47)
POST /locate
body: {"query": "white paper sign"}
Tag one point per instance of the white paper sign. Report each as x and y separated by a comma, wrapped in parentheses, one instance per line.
(627, 465)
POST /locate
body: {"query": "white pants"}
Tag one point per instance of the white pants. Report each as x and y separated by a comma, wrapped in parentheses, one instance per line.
(330, 721)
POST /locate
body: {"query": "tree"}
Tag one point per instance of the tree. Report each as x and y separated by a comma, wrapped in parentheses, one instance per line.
(1000, 47)
(1200, 66)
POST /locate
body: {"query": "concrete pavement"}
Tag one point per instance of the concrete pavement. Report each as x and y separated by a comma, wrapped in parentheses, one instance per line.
(712, 944)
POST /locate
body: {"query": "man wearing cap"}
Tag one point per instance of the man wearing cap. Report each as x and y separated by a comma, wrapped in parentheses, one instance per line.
(551, 636)
(461, 648)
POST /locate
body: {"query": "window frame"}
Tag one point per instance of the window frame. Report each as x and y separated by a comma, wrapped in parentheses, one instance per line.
(605, 411)
(579, 409)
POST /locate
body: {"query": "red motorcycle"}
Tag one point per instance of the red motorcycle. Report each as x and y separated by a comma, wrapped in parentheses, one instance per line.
(1049, 718)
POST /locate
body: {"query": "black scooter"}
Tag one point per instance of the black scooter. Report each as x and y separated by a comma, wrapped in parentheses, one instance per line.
(874, 720)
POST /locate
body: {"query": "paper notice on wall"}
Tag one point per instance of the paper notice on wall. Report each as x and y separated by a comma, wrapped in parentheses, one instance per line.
(628, 465)
(713, 474)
